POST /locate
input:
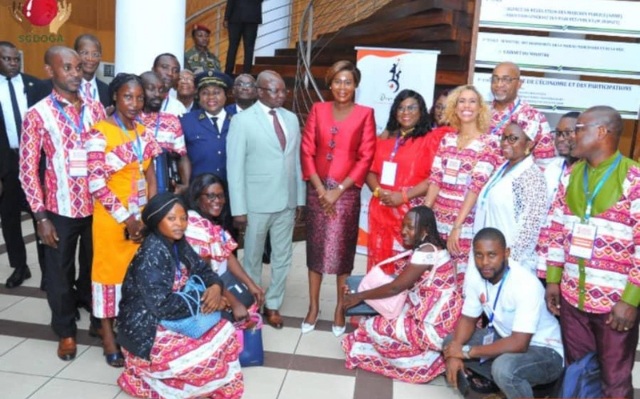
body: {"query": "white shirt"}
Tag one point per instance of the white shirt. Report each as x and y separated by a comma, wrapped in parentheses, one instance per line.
(222, 115)
(552, 175)
(93, 89)
(238, 109)
(270, 118)
(520, 308)
(7, 108)
(172, 106)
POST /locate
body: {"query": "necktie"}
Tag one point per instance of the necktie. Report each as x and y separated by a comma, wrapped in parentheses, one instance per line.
(278, 129)
(87, 90)
(214, 120)
(16, 109)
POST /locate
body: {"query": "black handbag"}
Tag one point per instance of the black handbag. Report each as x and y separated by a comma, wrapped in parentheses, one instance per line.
(237, 288)
(361, 309)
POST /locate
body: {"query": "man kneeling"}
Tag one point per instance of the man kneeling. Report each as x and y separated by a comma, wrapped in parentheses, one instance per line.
(521, 346)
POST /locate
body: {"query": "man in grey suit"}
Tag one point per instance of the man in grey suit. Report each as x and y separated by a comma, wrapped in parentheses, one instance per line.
(265, 184)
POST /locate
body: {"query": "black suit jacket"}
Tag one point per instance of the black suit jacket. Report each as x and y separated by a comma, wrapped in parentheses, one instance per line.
(243, 12)
(35, 90)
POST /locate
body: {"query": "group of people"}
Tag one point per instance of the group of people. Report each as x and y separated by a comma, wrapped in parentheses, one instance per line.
(476, 208)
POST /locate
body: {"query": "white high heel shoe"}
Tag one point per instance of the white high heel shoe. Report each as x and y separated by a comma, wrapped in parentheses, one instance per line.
(338, 330)
(307, 328)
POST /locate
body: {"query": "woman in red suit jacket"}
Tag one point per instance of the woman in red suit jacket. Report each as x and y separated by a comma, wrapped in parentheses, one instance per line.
(338, 145)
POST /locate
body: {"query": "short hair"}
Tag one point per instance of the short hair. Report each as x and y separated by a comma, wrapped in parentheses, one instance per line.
(244, 75)
(484, 114)
(342, 66)
(87, 36)
(55, 50)
(120, 80)
(157, 59)
(4, 43)
(197, 186)
(424, 123)
(608, 117)
(425, 222)
(571, 114)
(491, 234)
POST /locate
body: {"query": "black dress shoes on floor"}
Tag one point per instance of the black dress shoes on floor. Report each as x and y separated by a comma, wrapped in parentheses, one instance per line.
(18, 276)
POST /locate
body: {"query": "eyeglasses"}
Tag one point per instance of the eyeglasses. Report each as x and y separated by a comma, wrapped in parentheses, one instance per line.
(245, 85)
(84, 53)
(409, 109)
(581, 126)
(440, 107)
(213, 197)
(563, 134)
(511, 139)
(274, 91)
(503, 79)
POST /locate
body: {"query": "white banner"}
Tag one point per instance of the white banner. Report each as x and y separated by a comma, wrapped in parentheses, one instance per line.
(385, 73)
(600, 17)
(560, 96)
(556, 55)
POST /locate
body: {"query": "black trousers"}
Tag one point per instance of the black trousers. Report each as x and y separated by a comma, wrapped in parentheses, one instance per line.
(12, 203)
(248, 33)
(64, 293)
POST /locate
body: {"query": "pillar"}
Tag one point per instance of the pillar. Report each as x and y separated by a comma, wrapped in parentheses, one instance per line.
(146, 28)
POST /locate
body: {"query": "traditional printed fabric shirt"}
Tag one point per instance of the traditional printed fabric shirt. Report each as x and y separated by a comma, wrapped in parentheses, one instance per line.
(103, 164)
(198, 62)
(210, 241)
(46, 128)
(166, 130)
(613, 271)
(543, 150)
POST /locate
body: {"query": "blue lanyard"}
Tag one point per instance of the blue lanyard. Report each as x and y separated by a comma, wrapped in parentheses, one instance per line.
(506, 118)
(495, 180)
(166, 103)
(76, 127)
(178, 271)
(587, 212)
(495, 302)
(137, 149)
(155, 134)
(395, 148)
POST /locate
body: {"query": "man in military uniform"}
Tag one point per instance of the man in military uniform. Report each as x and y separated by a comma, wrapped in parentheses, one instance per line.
(198, 58)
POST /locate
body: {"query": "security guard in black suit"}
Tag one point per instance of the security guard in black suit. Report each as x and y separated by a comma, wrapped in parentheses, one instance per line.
(241, 19)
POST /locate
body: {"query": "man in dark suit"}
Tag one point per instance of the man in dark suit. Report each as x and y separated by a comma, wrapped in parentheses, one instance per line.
(241, 19)
(18, 92)
(89, 49)
(244, 92)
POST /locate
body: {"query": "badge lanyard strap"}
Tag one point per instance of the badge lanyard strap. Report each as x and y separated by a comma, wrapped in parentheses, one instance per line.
(155, 133)
(166, 104)
(587, 212)
(137, 149)
(395, 148)
(76, 127)
(506, 118)
(178, 271)
(495, 302)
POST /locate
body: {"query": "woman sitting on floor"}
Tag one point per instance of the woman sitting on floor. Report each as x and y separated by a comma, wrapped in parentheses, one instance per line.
(409, 347)
(160, 363)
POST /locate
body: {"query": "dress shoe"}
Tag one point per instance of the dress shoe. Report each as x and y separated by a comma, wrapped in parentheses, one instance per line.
(338, 330)
(273, 318)
(307, 327)
(18, 276)
(67, 348)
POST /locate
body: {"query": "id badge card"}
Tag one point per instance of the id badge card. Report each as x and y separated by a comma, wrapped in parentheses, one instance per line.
(487, 340)
(78, 163)
(133, 207)
(389, 170)
(216, 249)
(582, 240)
(141, 188)
(451, 171)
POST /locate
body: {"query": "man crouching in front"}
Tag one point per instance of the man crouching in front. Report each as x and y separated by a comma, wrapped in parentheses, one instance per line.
(521, 346)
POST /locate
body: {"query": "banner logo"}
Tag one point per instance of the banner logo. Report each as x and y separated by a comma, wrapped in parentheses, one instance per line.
(394, 82)
(41, 13)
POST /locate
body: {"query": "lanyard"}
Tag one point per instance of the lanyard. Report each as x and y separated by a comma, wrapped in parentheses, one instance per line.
(506, 118)
(395, 148)
(76, 127)
(178, 271)
(496, 179)
(495, 301)
(587, 212)
(155, 134)
(137, 149)
(166, 104)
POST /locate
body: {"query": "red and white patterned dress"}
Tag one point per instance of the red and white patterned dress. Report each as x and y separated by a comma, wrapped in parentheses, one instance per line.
(409, 348)
(181, 367)
(477, 162)
(210, 241)
(167, 131)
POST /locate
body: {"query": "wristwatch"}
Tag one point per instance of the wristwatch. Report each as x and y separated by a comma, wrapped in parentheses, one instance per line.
(465, 351)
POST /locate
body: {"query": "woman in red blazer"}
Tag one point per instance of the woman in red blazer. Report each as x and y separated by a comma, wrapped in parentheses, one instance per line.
(338, 145)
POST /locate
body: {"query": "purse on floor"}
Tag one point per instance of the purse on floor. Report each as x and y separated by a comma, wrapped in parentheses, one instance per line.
(252, 350)
(196, 325)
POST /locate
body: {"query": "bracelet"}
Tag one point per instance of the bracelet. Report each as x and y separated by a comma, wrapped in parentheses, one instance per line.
(405, 196)
(376, 192)
(42, 220)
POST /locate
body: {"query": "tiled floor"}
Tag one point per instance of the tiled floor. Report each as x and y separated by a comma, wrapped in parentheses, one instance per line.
(296, 366)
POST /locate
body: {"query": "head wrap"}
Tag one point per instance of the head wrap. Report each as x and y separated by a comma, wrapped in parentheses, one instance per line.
(528, 126)
(213, 78)
(157, 209)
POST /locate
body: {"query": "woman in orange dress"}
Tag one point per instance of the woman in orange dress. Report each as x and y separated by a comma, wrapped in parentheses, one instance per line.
(399, 174)
(121, 179)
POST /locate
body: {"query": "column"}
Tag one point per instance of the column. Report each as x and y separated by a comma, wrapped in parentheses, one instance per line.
(146, 28)
(274, 31)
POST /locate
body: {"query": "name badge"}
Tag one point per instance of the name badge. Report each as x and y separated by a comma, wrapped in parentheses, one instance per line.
(451, 171)
(487, 340)
(216, 249)
(78, 163)
(389, 170)
(141, 186)
(582, 240)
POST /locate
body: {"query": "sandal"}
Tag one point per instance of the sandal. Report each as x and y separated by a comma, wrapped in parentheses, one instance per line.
(114, 359)
(480, 383)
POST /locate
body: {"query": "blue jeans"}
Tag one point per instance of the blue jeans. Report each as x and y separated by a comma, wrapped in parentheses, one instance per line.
(516, 373)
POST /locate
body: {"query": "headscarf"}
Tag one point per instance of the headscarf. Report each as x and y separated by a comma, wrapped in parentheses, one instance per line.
(157, 209)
